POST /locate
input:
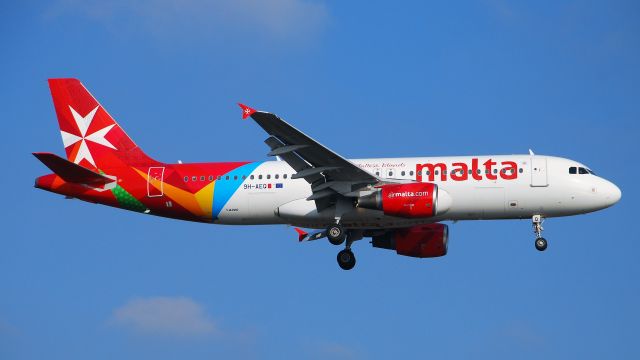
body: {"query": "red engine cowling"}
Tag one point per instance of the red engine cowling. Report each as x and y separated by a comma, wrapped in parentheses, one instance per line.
(403, 200)
(422, 241)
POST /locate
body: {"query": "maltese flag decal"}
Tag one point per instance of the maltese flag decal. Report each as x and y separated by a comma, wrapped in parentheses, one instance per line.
(246, 111)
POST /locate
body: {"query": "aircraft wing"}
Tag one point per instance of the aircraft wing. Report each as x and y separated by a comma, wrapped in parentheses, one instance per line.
(327, 172)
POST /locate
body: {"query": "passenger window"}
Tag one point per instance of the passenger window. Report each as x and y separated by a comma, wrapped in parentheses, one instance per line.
(194, 178)
(411, 173)
(235, 177)
(520, 170)
(284, 176)
(219, 177)
(268, 176)
(402, 173)
(582, 171)
(186, 179)
(495, 171)
(202, 178)
(252, 177)
(572, 170)
(377, 173)
(390, 173)
(210, 177)
(226, 177)
(277, 176)
(244, 177)
(436, 172)
(260, 177)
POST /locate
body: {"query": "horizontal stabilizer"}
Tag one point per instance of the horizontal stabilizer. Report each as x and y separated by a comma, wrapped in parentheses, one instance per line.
(71, 172)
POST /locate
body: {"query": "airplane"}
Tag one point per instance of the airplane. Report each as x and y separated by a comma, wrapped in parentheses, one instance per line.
(399, 203)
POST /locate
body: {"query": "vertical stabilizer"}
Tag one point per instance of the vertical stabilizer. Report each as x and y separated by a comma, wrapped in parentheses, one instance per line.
(91, 137)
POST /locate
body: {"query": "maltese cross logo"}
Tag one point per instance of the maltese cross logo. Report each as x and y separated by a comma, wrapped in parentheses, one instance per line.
(97, 137)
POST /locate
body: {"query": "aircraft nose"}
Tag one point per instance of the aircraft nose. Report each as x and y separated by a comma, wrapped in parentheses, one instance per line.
(612, 193)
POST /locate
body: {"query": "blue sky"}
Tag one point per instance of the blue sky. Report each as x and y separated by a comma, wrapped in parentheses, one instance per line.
(367, 79)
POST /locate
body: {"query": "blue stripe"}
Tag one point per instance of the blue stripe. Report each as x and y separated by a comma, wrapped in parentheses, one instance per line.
(224, 189)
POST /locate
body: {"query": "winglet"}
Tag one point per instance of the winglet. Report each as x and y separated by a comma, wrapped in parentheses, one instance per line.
(246, 111)
(301, 234)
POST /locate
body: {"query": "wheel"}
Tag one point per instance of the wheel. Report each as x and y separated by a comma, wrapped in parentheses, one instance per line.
(541, 244)
(335, 234)
(346, 259)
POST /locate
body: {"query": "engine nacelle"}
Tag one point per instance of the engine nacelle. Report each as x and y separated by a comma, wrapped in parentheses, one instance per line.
(407, 200)
(422, 241)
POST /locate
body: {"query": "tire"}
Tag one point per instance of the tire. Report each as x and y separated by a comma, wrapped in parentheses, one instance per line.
(336, 234)
(541, 244)
(346, 259)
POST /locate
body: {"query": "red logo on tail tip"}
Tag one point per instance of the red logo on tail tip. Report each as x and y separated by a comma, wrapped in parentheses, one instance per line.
(246, 111)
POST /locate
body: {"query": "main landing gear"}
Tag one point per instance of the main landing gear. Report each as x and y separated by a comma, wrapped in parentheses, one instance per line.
(337, 236)
(541, 243)
(346, 259)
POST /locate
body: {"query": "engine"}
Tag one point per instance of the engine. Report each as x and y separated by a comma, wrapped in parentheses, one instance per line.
(413, 200)
(422, 241)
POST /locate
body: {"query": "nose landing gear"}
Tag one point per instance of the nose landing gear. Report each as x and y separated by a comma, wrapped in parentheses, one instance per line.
(541, 243)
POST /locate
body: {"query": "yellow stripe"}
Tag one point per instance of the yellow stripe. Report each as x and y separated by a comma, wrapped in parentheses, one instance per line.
(205, 198)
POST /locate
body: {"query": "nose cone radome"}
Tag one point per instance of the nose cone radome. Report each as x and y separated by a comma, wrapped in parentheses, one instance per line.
(612, 193)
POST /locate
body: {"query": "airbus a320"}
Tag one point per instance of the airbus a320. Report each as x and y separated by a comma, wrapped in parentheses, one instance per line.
(400, 203)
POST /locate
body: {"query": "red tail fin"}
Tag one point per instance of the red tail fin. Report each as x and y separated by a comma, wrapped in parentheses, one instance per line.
(91, 137)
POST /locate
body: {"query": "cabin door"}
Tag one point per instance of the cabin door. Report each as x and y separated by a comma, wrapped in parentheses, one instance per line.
(155, 182)
(539, 171)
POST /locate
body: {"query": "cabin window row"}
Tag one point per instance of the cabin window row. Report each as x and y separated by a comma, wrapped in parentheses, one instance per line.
(437, 172)
(235, 177)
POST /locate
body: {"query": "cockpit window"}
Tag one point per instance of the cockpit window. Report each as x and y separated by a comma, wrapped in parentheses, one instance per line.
(580, 170)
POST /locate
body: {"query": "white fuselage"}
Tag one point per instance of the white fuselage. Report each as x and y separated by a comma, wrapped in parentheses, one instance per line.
(538, 185)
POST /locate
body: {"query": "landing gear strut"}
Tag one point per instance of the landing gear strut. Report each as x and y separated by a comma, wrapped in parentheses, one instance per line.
(541, 243)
